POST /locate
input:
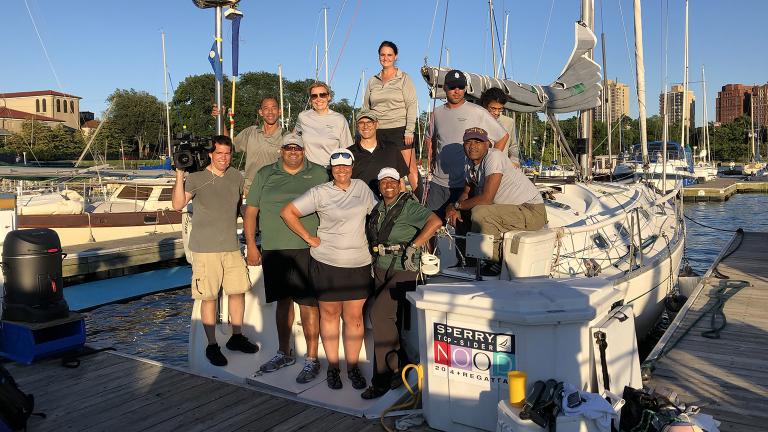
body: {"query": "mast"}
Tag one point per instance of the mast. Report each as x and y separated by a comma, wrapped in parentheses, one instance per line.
(503, 64)
(640, 72)
(493, 42)
(325, 26)
(219, 83)
(683, 125)
(280, 86)
(587, 16)
(706, 116)
(167, 107)
(664, 138)
(607, 105)
(752, 123)
(317, 63)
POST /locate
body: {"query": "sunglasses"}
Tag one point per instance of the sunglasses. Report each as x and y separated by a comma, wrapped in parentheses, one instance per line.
(456, 87)
(341, 155)
(292, 148)
(314, 96)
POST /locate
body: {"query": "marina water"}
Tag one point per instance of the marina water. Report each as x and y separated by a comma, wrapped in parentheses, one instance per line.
(157, 326)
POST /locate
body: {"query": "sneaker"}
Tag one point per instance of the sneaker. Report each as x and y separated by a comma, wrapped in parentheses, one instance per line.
(357, 378)
(214, 355)
(238, 342)
(280, 360)
(380, 384)
(333, 377)
(309, 372)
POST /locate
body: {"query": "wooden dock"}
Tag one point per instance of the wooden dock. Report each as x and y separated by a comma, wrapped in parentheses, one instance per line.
(113, 257)
(725, 376)
(115, 392)
(720, 189)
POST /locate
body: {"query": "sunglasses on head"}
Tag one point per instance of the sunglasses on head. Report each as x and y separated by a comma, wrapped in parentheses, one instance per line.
(456, 87)
(341, 155)
(314, 96)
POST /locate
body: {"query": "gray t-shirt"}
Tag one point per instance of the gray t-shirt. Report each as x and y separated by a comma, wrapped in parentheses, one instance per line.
(215, 206)
(512, 148)
(342, 222)
(260, 149)
(515, 187)
(322, 134)
(447, 140)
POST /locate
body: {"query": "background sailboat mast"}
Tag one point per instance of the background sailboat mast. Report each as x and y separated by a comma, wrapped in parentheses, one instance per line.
(684, 126)
(219, 83)
(325, 27)
(167, 107)
(493, 41)
(280, 86)
(640, 73)
(588, 18)
(607, 106)
(706, 116)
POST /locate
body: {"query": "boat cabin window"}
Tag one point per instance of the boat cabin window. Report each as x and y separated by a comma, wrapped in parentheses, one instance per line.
(600, 241)
(135, 193)
(166, 194)
(622, 230)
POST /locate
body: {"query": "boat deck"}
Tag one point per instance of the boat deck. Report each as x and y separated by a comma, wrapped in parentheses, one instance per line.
(721, 189)
(725, 376)
(111, 391)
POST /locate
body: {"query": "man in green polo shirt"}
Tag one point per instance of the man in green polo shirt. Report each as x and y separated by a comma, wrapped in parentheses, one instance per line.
(284, 255)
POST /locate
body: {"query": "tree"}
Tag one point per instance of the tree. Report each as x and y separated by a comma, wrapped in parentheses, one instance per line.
(42, 142)
(137, 115)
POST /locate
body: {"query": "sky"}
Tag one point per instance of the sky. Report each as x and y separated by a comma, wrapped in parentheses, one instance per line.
(89, 49)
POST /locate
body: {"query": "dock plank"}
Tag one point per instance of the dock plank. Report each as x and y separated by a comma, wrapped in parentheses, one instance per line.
(726, 376)
(111, 391)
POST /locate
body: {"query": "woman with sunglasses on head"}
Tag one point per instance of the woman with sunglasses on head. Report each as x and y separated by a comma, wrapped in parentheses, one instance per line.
(322, 129)
(391, 96)
(340, 267)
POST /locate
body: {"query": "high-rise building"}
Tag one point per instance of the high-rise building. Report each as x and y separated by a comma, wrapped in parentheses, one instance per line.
(732, 101)
(617, 103)
(675, 106)
(759, 104)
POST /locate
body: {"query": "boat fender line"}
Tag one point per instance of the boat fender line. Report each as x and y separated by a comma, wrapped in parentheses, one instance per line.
(415, 393)
(91, 238)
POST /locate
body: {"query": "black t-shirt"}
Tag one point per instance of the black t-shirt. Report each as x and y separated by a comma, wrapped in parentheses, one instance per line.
(368, 164)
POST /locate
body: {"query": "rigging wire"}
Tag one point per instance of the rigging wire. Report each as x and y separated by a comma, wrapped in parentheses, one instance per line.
(336, 24)
(346, 39)
(544, 42)
(431, 31)
(42, 44)
(626, 42)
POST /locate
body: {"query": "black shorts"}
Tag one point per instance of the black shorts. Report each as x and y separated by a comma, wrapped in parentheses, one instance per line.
(333, 283)
(393, 137)
(286, 275)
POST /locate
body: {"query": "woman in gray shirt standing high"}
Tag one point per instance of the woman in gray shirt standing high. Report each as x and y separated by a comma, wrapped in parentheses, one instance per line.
(340, 266)
(391, 95)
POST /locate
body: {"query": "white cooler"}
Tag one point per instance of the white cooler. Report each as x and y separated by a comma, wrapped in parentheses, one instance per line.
(472, 333)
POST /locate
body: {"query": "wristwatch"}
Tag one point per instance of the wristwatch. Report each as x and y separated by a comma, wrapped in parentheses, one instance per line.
(457, 205)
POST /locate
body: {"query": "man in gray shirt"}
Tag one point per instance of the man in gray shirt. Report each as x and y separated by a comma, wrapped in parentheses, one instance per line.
(444, 141)
(498, 195)
(216, 259)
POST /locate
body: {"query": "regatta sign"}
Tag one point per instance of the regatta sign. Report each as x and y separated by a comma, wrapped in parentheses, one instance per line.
(473, 355)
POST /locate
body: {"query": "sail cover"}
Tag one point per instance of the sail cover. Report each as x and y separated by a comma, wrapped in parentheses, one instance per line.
(576, 89)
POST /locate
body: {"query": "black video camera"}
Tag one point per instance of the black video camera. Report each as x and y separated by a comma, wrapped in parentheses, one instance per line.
(190, 153)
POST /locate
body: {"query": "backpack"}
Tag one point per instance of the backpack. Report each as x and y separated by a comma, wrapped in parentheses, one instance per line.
(15, 405)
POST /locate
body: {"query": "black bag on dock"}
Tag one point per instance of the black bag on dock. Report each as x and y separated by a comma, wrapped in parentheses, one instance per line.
(15, 405)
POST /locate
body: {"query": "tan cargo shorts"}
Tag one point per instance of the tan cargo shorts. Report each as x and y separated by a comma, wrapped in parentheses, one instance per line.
(212, 271)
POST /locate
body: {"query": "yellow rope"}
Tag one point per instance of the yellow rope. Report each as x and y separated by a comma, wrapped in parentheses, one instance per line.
(415, 398)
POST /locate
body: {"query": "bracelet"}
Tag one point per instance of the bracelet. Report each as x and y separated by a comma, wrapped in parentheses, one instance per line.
(457, 205)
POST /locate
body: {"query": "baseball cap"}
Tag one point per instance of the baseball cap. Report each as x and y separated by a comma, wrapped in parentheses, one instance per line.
(388, 172)
(454, 78)
(342, 157)
(367, 114)
(293, 139)
(475, 133)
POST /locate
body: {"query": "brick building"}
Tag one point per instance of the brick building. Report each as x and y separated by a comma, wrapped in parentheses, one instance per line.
(732, 101)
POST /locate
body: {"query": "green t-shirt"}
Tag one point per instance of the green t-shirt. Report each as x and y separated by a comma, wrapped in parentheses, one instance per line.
(407, 226)
(271, 189)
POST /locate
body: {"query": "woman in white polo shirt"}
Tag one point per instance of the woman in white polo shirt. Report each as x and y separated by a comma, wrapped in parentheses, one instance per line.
(340, 268)
(322, 129)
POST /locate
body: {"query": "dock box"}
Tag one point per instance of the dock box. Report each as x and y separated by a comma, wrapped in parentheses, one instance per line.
(26, 342)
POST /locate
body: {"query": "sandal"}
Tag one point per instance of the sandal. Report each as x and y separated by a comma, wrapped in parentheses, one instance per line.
(333, 378)
(357, 378)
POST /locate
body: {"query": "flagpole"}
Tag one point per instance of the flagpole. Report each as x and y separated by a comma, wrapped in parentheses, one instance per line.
(219, 84)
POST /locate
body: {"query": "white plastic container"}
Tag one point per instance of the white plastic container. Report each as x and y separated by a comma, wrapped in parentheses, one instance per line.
(472, 333)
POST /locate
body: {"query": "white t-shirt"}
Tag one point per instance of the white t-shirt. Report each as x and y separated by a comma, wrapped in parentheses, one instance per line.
(342, 222)
(322, 134)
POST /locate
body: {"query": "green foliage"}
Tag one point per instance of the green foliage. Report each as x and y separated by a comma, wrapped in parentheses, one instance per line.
(136, 116)
(42, 142)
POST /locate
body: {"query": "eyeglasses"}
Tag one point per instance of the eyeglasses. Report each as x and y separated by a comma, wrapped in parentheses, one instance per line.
(495, 110)
(314, 96)
(341, 155)
(292, 148)
(456, 87)
(366, 124)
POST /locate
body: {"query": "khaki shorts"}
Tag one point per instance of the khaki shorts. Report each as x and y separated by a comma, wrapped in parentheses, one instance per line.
(213, 270)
